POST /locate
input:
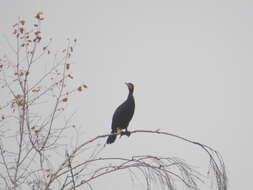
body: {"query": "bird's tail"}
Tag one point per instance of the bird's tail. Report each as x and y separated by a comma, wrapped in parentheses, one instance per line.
(111, 138)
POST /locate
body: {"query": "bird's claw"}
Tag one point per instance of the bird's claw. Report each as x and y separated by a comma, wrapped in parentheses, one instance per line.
(127, 133)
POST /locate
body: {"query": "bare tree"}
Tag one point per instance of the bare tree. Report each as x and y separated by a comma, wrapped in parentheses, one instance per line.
(35, 88)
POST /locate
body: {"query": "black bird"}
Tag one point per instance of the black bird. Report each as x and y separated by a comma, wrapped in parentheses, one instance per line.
(122, 116)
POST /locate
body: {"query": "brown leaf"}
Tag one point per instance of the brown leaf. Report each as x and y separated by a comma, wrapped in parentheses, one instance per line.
(37, 33)
(38, 16)
(67, 66)
(65, 99)
(22, 22)
(36, 131)
(18, 96)
(85, 86)
(79, 88)
(20, 103)
(35, 90)
(21, 30)
(70, 76)
(19, 74)
(37, 39)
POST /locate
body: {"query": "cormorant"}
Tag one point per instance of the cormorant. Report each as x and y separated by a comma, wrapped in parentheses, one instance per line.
(122, 116)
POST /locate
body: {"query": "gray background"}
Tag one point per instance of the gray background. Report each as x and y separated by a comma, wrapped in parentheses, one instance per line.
(191, 63)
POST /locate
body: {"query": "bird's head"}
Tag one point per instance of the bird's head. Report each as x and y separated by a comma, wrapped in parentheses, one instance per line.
(130, 86)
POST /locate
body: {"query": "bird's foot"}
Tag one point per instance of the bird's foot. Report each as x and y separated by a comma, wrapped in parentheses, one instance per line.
(127, 133)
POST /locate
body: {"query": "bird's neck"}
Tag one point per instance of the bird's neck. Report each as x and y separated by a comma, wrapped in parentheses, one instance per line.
(130, 94)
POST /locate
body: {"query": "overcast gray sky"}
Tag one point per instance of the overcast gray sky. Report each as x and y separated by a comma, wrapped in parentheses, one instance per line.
(190, 60)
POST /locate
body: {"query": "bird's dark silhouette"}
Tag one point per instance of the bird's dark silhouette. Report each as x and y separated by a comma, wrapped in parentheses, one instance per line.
(122, 116)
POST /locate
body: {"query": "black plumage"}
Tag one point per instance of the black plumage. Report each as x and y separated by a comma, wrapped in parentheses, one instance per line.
(122, 116)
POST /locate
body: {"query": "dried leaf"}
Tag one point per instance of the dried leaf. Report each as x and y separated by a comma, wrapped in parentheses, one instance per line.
(79, 88)
(70, 76)
(20, 103)
(19, 74)
(37, 33)
(37, 39)
(37, 131)
(21, 30)
(38, 16)
(67, 66)
(65, 99)
(35, 90)
(22, 22)
(18, 96)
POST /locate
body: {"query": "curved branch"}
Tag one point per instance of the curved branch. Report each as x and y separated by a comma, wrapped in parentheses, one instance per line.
(216, 161)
